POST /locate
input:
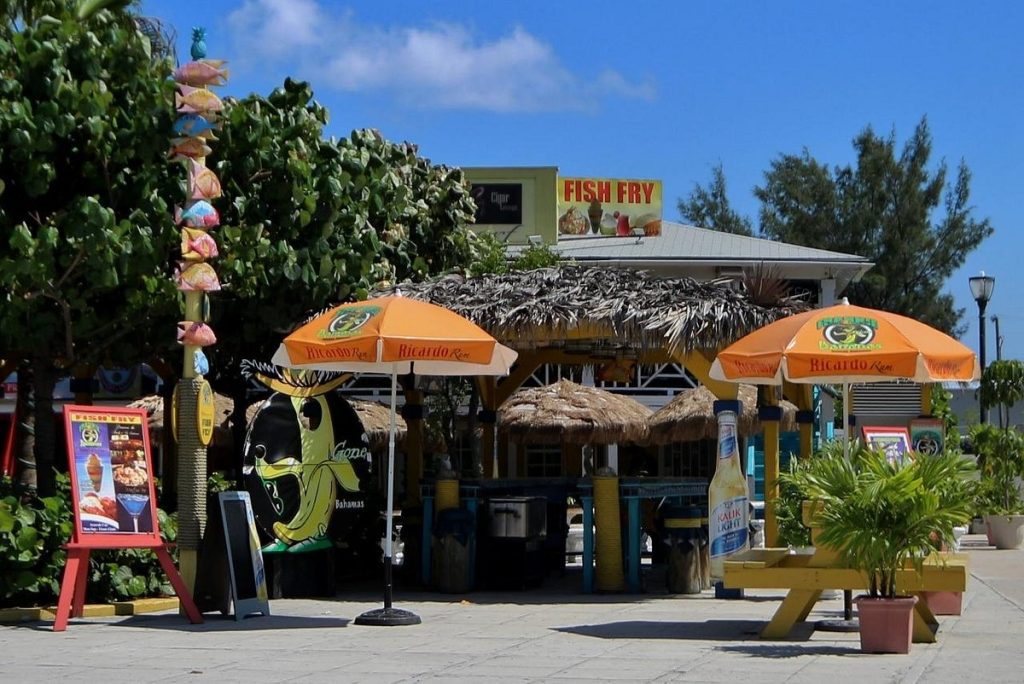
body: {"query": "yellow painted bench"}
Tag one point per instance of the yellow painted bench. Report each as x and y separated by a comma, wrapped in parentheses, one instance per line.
(806, 576)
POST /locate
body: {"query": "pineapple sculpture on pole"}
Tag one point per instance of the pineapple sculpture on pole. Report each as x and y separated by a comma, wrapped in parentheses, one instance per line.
(198, 108)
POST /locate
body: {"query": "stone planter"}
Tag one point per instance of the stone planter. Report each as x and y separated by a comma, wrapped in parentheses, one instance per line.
(1005, 531)
(886, 625)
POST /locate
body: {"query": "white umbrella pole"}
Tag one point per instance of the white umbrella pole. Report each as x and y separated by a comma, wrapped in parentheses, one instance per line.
(846, 420)
(389, 514)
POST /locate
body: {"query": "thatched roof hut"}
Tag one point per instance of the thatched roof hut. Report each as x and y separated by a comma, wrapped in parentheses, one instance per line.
(690, 416)
(569, 413)
(375, 417)
(610, 307)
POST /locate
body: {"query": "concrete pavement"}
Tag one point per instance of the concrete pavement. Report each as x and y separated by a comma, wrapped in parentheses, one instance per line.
(550, 634)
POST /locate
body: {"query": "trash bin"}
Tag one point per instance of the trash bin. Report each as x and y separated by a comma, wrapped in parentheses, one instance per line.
(451, 561)
(683, 537)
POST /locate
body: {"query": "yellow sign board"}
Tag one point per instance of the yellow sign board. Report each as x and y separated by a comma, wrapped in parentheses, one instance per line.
(609, 206)
(205, 413)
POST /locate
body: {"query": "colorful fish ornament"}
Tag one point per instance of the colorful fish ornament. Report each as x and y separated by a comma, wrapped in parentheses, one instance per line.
(197, 101)
(200, 214)
(195, 334)
(197, 245)
(201, 72)
(194, 126)
(203, 183)
(189, 148)
(200, 364)
(196, 277)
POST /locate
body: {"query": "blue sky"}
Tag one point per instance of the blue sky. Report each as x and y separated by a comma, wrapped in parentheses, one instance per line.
(659, 90)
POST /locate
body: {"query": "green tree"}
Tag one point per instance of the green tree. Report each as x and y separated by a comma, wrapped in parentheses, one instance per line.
(84, 115)
(310, 221)
(915, 224)
(708, 207)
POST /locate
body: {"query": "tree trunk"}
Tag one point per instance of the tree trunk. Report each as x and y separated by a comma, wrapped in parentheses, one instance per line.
(25, 430)
(44, 380)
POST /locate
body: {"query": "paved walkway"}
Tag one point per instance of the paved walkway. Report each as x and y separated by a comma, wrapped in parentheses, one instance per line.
(551, 634)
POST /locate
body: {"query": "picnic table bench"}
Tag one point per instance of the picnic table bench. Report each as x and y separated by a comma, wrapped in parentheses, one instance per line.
(807, 575)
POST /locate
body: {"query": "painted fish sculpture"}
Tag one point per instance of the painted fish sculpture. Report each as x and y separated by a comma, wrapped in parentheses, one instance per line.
(203, 183)
(202, 72)
(197, 245)
(200, 364)
(197, 101)
(193, 126)
(197, 277)
(201, 214)
(189, 148)
(195, 334)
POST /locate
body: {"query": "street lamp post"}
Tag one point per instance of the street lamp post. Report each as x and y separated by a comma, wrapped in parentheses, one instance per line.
(981, 289)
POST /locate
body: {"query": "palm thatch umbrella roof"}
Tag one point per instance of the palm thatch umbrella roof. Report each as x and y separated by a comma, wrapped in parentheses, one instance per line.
(690, 416)
(620, 307)
(571, 413)
(375, 417)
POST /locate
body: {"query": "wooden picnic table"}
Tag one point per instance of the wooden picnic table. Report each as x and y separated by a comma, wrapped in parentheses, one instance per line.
(807, 575)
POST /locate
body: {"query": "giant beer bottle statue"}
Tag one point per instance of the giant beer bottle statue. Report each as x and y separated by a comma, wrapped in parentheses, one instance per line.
(728, 497)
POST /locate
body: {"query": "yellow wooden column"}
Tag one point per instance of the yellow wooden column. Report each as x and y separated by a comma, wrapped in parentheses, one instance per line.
(412, 412)
(770, 416)
(926, 398)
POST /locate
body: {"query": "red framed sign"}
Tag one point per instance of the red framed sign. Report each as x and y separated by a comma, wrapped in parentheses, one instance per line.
(112, 490)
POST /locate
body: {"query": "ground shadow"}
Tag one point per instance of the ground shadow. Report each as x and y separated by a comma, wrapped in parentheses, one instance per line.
(219, 623)
(709, 630)
(786, 650)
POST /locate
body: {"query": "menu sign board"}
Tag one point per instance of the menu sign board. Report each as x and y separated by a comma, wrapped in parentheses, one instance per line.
(111, 471)
(498, 203)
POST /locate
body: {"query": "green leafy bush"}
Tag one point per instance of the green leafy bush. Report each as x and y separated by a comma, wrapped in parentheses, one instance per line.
(32, 558)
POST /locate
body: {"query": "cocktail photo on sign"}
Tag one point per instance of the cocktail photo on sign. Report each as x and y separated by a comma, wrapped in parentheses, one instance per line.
(112, 486)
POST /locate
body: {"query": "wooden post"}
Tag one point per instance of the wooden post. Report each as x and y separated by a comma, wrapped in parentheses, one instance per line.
(770, 416)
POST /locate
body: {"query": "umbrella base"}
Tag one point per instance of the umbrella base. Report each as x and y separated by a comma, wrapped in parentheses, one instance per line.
(837, 625)
(388, 617)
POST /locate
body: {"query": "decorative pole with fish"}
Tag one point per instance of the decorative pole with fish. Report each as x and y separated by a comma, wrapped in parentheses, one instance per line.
(198, 109)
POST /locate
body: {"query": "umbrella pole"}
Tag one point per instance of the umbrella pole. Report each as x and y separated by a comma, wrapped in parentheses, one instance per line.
(388, 616)
(847, 593)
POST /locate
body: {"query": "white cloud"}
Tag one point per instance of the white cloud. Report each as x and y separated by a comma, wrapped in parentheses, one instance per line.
(275, 28)
(440, 66)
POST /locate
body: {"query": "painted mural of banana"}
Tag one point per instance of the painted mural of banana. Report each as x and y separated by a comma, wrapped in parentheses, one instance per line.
(320, 467)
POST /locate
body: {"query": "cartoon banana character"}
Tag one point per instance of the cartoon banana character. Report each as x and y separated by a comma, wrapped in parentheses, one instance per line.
(294, 456)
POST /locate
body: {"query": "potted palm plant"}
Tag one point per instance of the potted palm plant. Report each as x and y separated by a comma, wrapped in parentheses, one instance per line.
(885, 518)
(1001, 457)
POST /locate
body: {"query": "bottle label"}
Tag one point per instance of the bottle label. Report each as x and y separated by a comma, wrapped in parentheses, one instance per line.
(727, 441)
(728, 526)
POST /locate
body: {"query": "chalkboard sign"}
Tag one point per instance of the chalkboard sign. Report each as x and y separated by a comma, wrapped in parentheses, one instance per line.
(245, 562)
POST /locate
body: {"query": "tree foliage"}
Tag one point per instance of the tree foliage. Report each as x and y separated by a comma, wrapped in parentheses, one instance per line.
(708, 207)
(913, 222)
(84, 226)
(309, 221)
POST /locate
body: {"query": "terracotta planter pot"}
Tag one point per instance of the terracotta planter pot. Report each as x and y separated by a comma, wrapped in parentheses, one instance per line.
(886, 625)
(1005, 531)
(944, 602)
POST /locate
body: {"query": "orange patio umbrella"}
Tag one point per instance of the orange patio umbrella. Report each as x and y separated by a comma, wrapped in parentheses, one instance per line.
(393, 336)
(845, 344)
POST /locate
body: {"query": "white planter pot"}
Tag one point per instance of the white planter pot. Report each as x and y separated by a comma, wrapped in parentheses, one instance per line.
(1006, 531)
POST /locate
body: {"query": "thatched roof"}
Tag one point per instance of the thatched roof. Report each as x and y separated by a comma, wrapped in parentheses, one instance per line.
(622, 307)
(375, 417)
(690, 416)
(571, 413)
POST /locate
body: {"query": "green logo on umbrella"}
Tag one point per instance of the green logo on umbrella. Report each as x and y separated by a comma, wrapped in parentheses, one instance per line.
(848, 333)
(349, 321)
